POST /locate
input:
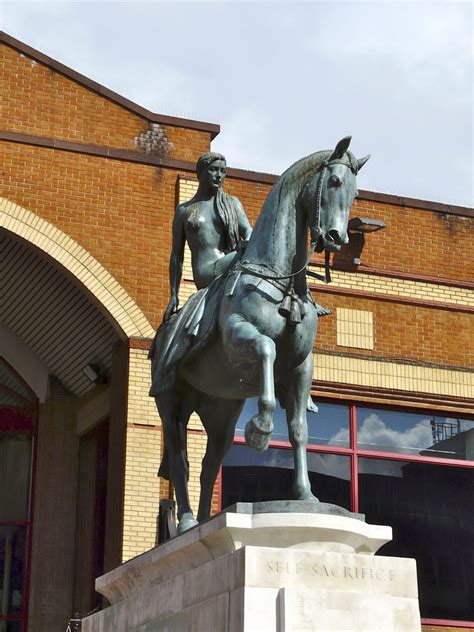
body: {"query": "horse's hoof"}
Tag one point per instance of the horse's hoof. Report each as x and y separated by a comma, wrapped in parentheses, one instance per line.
(311, 406)
(187, 522)
(258, 438)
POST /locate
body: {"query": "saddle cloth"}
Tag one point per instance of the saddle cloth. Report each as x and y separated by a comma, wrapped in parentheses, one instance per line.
(187, 332)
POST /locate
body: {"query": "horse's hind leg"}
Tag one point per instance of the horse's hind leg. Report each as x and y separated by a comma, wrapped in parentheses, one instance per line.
(296, 414)
(219, 417)
(244, 343)
(175, 411)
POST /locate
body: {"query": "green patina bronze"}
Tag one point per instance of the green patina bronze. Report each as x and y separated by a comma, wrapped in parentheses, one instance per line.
(250, 329)
(213, 223)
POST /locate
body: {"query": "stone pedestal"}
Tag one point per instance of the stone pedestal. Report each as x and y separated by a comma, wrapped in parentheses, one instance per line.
(244, 571)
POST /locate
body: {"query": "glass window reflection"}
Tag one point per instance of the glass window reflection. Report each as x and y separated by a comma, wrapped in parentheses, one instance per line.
(280, 430)
(411, 433)
(251, 477)
(329, 426)
(431, 512)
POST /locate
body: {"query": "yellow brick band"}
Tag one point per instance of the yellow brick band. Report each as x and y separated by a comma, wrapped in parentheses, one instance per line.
(403, 288)
(141, 407)
(142, 491)
(186, 190)
(392, 375)
(355, 328)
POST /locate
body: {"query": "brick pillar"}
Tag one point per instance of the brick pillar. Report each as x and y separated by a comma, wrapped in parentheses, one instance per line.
(54, 526)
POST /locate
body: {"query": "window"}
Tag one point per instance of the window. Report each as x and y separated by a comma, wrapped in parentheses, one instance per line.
(329, 426)
(411, 470)
(18, 410)
(252, 477)
(431, 512)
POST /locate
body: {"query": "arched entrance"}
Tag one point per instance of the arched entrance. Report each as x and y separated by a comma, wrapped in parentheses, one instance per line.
(64, 329)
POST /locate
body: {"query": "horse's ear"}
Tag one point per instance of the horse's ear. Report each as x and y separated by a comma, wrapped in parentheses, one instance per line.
(341, 148)
(361, 162)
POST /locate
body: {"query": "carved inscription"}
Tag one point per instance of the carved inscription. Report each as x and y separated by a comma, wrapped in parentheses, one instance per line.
(323, 570)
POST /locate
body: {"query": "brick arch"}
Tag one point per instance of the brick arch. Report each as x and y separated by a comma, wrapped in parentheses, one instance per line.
(114, 300)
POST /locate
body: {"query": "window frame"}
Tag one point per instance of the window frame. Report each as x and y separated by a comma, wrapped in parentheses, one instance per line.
(354, 452)
(25, 421)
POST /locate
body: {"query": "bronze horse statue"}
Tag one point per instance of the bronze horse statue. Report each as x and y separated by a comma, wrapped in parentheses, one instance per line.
(265, 327)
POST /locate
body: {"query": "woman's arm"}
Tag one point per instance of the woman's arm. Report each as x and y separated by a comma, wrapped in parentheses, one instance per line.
(176, 262)
(245, 230)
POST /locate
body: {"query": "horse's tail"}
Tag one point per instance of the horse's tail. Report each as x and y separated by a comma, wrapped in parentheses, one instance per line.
(164, 469)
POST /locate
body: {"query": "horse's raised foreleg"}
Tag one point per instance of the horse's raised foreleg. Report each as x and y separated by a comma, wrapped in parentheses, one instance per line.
(219, 417)
(299, 386)
(175, 413)
(245, 344)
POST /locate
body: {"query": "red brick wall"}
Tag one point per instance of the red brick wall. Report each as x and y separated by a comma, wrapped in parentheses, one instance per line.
(416, 241)
(403, 332)
(121, 212)
(436, 628)
(40, 101)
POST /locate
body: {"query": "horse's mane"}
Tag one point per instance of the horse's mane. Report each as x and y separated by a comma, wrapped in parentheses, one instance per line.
(291, 181)
(283, 195)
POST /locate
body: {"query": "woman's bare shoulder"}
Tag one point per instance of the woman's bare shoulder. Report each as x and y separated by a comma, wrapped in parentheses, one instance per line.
(184, 208)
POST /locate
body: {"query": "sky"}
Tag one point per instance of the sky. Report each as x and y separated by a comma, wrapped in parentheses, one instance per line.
(285, 79)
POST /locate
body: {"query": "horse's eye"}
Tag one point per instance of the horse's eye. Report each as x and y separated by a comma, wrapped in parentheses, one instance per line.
(335, 181)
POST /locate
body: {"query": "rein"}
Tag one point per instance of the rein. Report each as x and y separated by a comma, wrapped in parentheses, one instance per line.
(282, 277)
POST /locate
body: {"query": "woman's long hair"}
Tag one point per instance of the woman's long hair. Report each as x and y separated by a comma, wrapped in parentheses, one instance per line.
(224, 203)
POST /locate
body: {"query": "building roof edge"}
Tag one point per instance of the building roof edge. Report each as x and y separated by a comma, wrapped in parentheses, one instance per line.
(371, 196)
(98, 88)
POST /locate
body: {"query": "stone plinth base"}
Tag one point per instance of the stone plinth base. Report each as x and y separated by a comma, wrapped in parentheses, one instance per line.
(265, 572)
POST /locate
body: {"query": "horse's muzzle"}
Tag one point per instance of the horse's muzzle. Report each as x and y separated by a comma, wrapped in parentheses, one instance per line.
(333, 240)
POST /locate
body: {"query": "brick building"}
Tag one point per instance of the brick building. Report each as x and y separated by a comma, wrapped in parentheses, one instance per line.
(90, 182)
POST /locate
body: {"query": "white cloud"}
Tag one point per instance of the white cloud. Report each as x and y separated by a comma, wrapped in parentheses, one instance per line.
(286, 79)
(375, 434)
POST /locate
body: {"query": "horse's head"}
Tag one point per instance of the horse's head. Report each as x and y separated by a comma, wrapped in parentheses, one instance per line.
(329, 197)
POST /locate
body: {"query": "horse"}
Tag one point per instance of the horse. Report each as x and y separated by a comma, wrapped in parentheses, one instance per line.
(265, 330)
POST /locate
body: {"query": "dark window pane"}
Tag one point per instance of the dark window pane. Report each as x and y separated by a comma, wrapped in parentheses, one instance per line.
(10, 626)
(251, 477)
(329, 426)
(12, 568)
(15, 466)
(431, 512)
(410, 433)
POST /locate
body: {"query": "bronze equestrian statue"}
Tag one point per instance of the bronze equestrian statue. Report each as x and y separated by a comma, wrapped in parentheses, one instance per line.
(251, 331)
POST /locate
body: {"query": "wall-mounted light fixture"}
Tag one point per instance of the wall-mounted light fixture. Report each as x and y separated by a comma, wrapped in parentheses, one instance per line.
(365, 225)
(359, 226)
(94, 373)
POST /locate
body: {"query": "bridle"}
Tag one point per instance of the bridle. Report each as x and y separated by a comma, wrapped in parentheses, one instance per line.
(317, 230)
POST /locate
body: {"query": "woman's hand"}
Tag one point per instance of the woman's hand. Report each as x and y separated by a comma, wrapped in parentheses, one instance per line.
(172, 307)
(241, 246)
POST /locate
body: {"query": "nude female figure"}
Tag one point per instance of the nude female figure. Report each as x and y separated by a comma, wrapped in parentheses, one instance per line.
(216, 228)
(214, 225)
